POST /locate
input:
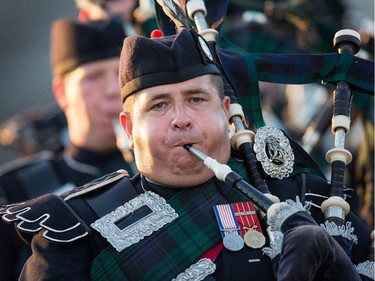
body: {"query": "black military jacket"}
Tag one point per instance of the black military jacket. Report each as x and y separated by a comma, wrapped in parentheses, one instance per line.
(67, 245)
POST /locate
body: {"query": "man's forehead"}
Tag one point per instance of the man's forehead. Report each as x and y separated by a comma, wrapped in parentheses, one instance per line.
(194, 85)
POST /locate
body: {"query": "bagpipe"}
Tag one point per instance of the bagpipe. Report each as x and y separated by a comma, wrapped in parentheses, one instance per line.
(268, 147)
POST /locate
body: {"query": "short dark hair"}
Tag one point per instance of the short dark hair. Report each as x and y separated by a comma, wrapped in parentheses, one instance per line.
(218, 81)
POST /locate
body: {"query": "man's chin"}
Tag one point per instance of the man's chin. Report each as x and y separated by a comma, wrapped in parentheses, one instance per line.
(185, 180)
(192, 169)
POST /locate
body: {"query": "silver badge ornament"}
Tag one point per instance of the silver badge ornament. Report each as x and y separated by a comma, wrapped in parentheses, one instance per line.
(273, 151)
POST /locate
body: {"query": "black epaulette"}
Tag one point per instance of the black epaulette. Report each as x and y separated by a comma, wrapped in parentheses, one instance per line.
(95, 184)
(52, 213)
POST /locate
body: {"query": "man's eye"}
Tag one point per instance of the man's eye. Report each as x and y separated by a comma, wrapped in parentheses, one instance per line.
(196, 100)
(159, 105)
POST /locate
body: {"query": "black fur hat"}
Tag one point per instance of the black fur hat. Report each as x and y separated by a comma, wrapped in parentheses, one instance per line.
(74, 43)
(149, 62)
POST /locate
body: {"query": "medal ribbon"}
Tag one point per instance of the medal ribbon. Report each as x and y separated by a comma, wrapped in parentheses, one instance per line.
(226, 219)
(246, 216)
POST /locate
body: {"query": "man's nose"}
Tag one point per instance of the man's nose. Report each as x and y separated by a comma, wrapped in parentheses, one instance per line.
(182, 117)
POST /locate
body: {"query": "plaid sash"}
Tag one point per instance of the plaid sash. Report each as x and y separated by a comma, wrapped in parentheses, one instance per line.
(169, 251)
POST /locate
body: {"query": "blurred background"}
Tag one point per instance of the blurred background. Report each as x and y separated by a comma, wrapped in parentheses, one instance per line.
(25, 78)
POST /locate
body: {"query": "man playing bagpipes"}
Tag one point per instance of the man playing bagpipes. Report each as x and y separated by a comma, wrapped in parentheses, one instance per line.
(175, 220)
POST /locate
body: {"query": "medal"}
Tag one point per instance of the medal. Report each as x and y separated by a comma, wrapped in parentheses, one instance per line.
(230, 231)
(233, 242)
(247, 218)
(254, 239)
(238, 223)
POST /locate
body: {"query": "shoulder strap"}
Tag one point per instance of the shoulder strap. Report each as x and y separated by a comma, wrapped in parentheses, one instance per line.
(95, 184)
(116, 195)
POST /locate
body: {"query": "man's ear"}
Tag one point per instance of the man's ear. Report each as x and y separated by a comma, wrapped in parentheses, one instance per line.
(58, 89)
(127, 125)
(226, 105)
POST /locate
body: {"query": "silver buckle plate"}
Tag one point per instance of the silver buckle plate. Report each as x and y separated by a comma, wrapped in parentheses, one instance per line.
(161, 214)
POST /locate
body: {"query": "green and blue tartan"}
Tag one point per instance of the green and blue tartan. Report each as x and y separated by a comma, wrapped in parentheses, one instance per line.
(172, 249)
(244, 69)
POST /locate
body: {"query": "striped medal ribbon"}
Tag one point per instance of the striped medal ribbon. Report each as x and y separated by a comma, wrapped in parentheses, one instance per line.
(229, 229)
(247, 219)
